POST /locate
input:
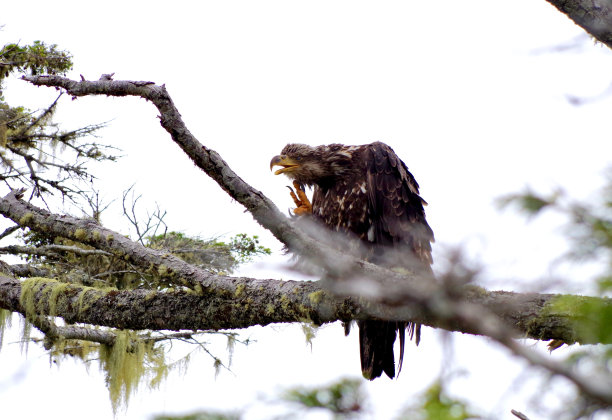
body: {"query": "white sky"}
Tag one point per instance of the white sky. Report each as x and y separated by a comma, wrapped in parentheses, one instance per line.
(456, 88)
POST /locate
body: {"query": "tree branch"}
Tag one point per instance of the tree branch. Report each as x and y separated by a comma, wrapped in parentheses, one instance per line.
(27, 270)
(594, 16)
(263, 209)
(49, 250)
(262, 302)
(53, 332)
(229, 302)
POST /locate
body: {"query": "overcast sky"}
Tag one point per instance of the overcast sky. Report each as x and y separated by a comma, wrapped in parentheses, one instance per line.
(472, 96)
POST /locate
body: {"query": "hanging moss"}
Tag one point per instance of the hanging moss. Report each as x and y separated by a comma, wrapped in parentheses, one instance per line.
(5, 323)
(80, 349)
(30, 288)
(156, 360)
(310, 332)
(231, 345)
(123, 369)
(128, 362)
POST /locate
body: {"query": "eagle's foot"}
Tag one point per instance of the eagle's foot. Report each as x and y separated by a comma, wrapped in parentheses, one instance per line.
(301, 201)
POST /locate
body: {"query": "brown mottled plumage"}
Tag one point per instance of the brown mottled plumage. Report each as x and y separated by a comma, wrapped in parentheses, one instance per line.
(369, 192)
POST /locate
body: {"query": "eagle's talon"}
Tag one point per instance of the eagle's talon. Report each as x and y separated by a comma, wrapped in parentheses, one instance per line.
(302, 201)
(299, 186)
(295, 198)
(302, 210)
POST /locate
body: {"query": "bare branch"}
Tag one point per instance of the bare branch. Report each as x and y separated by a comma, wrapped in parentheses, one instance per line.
(131, 214)
(27, 270)
(8, 231)
(53, 332)
(95, 205)
(594, 16)
(152, 223)
(50, 250)
(519, 415)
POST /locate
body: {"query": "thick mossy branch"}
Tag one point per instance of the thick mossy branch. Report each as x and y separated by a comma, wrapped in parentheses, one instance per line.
(261, 302)
(255, 302)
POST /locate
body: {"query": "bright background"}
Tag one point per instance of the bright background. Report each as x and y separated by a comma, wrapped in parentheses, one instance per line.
(473, 96)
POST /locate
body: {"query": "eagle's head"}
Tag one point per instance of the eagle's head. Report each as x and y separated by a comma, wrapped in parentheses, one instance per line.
(313, 165)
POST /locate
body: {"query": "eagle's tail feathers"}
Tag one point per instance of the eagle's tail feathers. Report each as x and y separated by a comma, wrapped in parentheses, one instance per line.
(376, 340)
(402, 338)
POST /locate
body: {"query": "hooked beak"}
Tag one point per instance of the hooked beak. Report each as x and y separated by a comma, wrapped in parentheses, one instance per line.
(285, 161)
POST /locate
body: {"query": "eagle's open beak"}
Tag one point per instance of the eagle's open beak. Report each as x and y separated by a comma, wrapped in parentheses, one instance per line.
(285, 161)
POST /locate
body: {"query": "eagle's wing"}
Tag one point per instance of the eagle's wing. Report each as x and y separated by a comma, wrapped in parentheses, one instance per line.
(395, 207)
(400, 237)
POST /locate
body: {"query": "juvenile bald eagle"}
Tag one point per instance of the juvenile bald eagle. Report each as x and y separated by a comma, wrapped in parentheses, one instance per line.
(366, 191)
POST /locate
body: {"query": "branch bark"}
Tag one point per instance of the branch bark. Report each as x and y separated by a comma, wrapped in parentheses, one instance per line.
(262, 302)
(49, 250)
(594, 16)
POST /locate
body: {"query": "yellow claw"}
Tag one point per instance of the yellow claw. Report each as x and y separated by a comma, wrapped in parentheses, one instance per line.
(301, 200)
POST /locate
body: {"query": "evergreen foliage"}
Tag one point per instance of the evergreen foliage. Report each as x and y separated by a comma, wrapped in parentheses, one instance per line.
(36, 153)
(31, 143)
